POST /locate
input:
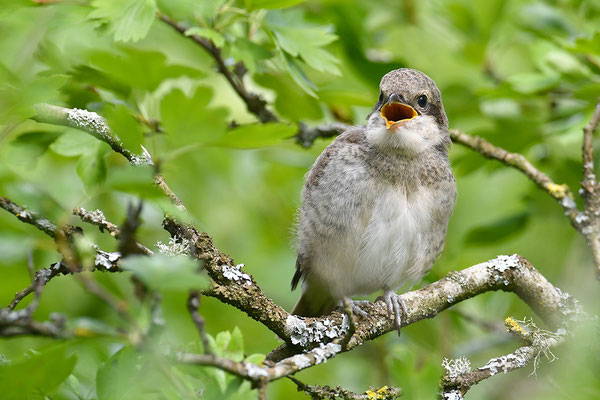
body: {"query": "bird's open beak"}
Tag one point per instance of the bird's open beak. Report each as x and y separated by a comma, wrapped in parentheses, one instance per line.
(396, 112)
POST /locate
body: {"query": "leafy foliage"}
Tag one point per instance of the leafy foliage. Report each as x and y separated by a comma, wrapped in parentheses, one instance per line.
(523, 74)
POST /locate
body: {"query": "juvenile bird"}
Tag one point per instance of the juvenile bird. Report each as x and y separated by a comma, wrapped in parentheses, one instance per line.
(376, 203)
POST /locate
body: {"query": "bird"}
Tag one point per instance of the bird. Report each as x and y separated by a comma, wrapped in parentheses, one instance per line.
(377, 201)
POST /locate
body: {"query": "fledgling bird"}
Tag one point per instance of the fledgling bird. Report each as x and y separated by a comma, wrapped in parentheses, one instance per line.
(376, 203)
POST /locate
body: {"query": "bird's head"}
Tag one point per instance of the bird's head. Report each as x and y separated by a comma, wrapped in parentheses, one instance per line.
(409, 116)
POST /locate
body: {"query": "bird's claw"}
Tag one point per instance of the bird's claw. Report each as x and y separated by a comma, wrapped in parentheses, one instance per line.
(395, 303)
(357, 310)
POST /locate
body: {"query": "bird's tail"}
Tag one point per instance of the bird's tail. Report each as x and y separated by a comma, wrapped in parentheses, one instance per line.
(314, 303)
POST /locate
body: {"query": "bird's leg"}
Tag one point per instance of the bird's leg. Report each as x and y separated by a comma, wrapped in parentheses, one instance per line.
(394, 303)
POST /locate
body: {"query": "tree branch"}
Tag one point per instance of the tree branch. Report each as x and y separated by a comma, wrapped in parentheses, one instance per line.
(255, 103)
(43, 224)
(326, 392)
(459, 378)
(589, 183)
(97, 218)
(560, 193)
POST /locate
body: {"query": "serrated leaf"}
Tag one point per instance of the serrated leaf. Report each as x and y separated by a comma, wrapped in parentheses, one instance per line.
(208, 33)
(306, 43)
(114, 378)
(189, 120)
(74, 143)
(137, 180)
(91, 167)
(17, 100)
(37, 376)
(299, 76)
(256, 135)
(249, 53)
(235, 348)
(130, 20)
(162, 272)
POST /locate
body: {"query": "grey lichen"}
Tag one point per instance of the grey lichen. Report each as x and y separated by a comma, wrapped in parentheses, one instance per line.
(91, 122)
(236, 274)
(303, 334)
(301, 361)
(106, 260)
(255, 372)
(503, 263)
(176, 246)
(456, 366)
(452, 395)
(511, 361)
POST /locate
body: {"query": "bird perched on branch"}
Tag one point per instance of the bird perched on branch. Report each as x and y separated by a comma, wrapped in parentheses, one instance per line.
(376, 203)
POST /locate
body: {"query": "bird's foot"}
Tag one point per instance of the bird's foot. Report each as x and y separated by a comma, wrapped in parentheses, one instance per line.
(394, 303)
(357, 310)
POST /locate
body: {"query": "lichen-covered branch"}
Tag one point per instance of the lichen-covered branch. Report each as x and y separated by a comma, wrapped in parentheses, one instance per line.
(326, 392)
(29, 217)
(86, 121)
(459, 377)
(97, 218)
(263, 374)
(591, 190)
(589, 182)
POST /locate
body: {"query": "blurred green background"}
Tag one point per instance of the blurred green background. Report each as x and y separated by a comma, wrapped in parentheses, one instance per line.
(523, 74)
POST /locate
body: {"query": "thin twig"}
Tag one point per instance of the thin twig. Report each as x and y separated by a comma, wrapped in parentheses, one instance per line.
(589, 182)
(193, 304)
(560, 193)
(255, 103)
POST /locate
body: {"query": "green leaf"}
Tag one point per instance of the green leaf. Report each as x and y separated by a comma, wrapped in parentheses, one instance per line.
(306, 42)
(138, 180)
(74, 143)
(190, 121)
(249, 53)
(130, 20)
(532, 82)
(255, 4)
(208, 33)
(162, 272)
(256, 135)
(299, 76)
(235, 348)
(255, 358)
(38, 375)
(29, 146)
(127, 68)
(17, 100)
(114, 378)
(91, 167)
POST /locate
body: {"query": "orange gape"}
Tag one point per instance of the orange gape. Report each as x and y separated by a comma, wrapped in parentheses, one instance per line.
(395, 112)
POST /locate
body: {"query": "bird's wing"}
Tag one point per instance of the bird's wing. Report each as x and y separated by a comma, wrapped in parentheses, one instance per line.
(354, 135)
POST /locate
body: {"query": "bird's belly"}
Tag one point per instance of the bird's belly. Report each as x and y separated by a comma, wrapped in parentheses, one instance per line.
(402, 239)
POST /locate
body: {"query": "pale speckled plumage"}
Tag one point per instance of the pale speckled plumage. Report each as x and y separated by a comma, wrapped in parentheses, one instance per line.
(376, 203)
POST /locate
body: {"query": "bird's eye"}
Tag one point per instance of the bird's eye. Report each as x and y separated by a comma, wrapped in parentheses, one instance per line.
(422, 101)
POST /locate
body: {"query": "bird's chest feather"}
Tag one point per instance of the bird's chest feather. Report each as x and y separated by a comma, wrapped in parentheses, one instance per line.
(396, 243)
